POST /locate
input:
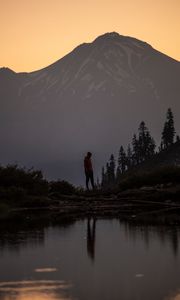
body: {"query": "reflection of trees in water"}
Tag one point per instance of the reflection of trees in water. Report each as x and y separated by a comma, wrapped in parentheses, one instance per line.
(147, 232)
(133, 230)
(174, 240)
(91, 237)
(29, 229)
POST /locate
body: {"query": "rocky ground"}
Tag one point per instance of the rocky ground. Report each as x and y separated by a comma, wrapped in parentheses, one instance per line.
(134, 204)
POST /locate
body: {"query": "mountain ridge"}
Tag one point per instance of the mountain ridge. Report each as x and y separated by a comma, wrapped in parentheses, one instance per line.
(103, 37)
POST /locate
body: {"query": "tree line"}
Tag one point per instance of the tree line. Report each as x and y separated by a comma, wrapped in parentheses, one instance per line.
(142, 148)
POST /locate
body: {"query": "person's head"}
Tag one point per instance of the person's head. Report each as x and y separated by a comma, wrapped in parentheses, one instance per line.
(89, 154)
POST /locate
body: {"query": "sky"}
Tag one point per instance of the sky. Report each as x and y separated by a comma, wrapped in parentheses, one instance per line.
(36, 33)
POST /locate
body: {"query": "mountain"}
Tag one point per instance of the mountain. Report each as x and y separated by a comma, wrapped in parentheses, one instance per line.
(93, 99)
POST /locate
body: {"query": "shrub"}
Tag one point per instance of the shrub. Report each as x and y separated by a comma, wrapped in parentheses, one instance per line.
(13, 193)
(30, 180)
(61, 187)
(161, 175)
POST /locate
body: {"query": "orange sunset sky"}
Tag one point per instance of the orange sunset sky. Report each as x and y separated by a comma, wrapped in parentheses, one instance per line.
(35, 33)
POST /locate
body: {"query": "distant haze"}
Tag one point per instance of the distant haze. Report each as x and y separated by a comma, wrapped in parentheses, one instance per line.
(93, 99)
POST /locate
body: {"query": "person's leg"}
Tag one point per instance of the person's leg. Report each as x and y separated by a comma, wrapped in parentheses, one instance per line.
(92, 179)
(87, 181)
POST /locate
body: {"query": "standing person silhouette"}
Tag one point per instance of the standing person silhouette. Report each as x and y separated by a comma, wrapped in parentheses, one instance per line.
(88, 170)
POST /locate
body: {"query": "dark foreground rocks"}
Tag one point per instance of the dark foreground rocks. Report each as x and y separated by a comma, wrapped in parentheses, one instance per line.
(148, 203)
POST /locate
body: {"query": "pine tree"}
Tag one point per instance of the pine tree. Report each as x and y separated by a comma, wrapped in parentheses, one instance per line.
(146, 143)
(142, 141)
(168, 132)
(118, 174)
(103, 178)
(122, 160)
(129, 157)
(177, 138)
(108, 175)
(143, 146)
(135, 150)
(111, 169)
(149, 145)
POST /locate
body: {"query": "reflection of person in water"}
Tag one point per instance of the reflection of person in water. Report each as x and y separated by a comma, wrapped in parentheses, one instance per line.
(91, 233)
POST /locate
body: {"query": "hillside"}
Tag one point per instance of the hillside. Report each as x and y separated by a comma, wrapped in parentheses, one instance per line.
(165, 158)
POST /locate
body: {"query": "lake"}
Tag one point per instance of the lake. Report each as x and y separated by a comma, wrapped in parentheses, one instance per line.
(88, 259)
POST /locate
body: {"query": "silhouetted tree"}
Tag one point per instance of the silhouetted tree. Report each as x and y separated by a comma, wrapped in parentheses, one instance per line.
(107, 173)
(129, 157)
(111, 169)
(143, 146)
(161, 147)
(122, 160)
(150, 146)
(106, 176)
(177, 138)
(118, 173)
(168, 132)
(135, 150)
(103, 178)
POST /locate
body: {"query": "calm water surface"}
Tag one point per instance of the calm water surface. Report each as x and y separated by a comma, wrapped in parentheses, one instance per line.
(89, 260)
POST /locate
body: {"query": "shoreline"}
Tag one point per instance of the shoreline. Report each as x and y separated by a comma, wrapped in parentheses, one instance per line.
(134, 204)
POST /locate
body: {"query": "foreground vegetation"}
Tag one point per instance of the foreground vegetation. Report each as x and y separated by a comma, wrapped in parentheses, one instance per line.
(21, 187)
(138, 194)
(160, 176)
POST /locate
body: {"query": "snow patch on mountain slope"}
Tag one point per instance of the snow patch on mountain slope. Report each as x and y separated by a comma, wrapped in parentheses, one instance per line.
(87, 77)
(96, 87)
(82, 67)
